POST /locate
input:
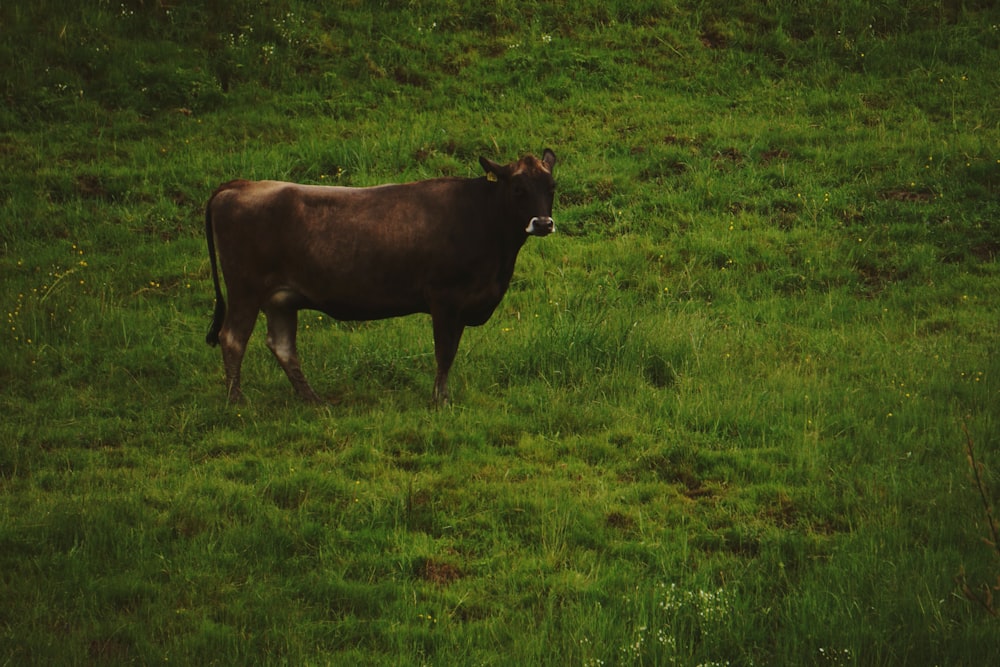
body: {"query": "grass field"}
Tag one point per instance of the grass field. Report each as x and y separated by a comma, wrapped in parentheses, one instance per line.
(724, 416)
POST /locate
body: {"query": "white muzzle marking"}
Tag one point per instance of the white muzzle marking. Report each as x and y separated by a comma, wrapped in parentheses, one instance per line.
(539, 226)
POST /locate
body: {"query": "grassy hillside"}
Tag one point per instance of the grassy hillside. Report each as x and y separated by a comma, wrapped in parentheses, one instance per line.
(723, 416)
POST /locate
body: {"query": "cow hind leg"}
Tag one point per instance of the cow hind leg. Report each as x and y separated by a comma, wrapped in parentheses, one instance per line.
(282, 325)
(233, 338)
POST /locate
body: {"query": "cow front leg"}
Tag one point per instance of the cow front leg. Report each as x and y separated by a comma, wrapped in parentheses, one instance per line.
(447, 334)
(282, 325)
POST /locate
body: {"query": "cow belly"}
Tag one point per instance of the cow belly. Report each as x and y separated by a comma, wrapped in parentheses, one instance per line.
(470, 315)
(357, 312)
(346, 299)
(351, 307)
(472, 304)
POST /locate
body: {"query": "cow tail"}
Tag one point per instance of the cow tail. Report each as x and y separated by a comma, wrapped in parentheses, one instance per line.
(220, 303)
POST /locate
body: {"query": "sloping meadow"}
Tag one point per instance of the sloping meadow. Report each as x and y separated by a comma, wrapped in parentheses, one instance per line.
(724, 415)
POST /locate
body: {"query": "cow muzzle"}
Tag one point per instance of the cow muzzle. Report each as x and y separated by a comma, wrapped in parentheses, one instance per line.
(540, 226)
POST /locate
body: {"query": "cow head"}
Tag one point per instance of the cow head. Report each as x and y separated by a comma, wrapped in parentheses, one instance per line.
(529, 188)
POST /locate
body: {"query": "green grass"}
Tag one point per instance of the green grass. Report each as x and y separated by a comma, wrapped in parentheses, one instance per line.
(718, 418)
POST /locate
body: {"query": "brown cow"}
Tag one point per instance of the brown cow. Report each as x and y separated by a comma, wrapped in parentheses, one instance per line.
(445, 246)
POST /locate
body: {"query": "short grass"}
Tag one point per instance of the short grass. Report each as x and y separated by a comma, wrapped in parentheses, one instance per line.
(718, 419)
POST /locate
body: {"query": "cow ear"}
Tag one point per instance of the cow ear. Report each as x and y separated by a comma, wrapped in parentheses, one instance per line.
(492, 169)
(549, 158)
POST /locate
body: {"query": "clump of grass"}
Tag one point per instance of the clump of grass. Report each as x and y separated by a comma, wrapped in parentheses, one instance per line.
(982, 594)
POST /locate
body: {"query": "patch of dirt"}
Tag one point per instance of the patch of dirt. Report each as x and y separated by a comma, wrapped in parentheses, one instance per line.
(620, 521)
(439, 572)
(986, 251)
(767, 157)
(91, 187)
(713, 39)
(902, 194)
(729, 155)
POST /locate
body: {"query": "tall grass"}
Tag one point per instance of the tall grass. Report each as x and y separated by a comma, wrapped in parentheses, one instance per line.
(718, 418)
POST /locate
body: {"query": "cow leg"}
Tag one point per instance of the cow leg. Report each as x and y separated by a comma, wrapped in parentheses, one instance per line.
(447, 334)
(282, 325)
(233, 337)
